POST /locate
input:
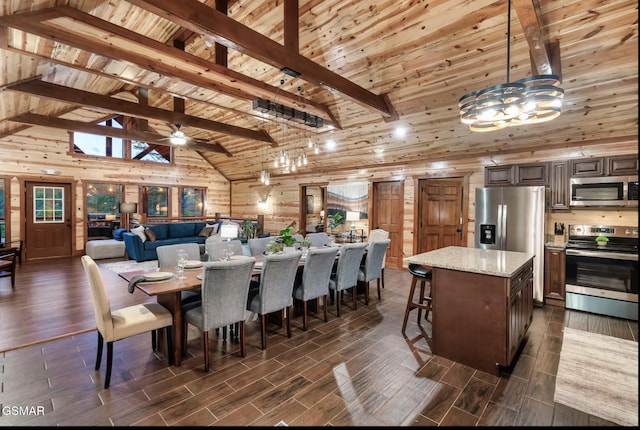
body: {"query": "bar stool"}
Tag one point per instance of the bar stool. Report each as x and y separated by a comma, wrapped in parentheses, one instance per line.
(423, 275)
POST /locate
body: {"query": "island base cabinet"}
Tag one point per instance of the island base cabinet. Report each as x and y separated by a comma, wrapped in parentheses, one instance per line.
(480, 320)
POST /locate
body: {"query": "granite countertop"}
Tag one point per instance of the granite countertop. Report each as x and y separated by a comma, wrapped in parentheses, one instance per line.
(556, 245)
(484, 261)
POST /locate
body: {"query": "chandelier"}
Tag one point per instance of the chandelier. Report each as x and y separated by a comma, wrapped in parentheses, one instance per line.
(288, 161)
(529, 100)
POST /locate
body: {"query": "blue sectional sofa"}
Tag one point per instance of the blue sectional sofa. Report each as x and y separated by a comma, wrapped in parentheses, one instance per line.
(165, 234)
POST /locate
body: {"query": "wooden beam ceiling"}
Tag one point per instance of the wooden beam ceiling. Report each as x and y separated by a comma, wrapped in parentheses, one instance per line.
(202, 19)
(95, 35)
(85, 98)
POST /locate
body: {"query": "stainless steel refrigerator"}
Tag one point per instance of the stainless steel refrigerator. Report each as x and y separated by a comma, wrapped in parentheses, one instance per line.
(512, 219)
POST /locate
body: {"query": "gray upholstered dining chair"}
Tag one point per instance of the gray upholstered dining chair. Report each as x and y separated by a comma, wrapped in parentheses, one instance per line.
(372, 267)
(113, 325)
(225, 288)
(274, 291)
(345, 276)
(314, 282)
(216, 250)
(258, 245)
(168, 257)
(375, 235)
(318, 239)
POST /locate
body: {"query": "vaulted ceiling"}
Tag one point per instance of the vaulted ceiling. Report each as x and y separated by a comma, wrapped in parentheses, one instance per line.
(366, 68)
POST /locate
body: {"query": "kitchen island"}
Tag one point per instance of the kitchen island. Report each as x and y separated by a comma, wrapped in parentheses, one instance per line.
(482, 304)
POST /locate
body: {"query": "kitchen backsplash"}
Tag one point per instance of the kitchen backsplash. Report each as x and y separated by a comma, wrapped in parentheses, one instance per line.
(604, 216)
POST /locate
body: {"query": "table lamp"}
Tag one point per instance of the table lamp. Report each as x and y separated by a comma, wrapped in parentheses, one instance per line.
(353, 217)
(228, 231)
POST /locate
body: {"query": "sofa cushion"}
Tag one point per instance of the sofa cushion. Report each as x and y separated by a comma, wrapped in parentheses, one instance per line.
(161, 231)
(206, 231)
(139, 231)
(182, 229)
(151, 236)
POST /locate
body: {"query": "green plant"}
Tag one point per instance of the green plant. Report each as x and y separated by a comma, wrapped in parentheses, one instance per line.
(604, 239)
(306, 243)
(335, 220)
(286, 236)
(274, 247)
(249, 229)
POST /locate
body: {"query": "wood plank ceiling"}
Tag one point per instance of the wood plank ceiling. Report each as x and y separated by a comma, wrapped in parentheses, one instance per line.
(366, 68)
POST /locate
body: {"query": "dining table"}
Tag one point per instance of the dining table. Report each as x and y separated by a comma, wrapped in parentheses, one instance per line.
(168, 291)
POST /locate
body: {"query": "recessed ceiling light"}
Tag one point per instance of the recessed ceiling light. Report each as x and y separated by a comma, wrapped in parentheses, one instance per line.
(330, 144)
(400, 131)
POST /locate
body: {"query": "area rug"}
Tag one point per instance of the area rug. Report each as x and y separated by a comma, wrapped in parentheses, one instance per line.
(129, 265)
(598, 374)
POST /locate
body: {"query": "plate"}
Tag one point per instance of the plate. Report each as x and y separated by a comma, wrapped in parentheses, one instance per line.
(157, 276)
(192, 264)
(199, 277)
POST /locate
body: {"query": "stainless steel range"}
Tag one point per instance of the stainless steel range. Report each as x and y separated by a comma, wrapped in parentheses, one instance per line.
(603, 279)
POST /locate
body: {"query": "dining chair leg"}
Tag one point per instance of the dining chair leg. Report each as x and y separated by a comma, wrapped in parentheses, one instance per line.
(304, 315)
(288, 321)
(205, 348)
(107, 377)
(325, 301)
(185, 330)
(379, 281)
(99, 350)
(366, 293)
(354, 293)
(154, 340)
(243, 346)
(382, 276)
(263, 330)
(338, 296)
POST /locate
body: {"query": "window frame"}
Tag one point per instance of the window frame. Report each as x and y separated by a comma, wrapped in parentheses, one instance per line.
(203, 196)
(6, 202)
(143, 204)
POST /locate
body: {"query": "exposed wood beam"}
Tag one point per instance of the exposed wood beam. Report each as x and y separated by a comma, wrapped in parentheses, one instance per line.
(85, 98)
(204, 20)
(111, 41)
(99, 130)
(540, 55)
(291, 35)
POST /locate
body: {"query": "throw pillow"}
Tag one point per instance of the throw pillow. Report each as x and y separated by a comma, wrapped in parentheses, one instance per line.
(139, 231)
(151, 235)
(206, 231)
(215, 228)
(117, 235)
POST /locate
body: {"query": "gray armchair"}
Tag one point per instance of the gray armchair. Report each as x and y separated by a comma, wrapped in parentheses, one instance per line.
(225, 287)
(274, 292)
(314, 282)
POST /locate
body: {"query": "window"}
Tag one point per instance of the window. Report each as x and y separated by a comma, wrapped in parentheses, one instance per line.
(103, 198)
(191, 202)
(155, 201)
(4, 202)
(48, 204)
(104, 146)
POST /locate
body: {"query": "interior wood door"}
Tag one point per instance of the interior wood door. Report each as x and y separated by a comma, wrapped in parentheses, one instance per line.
(440, 213)
(48, 220)
(387, 214)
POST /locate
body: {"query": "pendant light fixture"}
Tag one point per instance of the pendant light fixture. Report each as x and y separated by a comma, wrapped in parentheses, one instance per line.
(526, 101)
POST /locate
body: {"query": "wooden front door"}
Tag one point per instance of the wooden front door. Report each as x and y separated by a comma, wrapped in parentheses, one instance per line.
(440, 213)
(387, 214)
(48, 220)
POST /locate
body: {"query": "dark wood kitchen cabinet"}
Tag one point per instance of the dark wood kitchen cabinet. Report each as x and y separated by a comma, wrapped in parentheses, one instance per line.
(516, 175)
(559, 186)
(554, 275)
(605, 166)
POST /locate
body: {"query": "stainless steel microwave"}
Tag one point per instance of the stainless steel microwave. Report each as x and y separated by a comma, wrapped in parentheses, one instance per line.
(621, 191)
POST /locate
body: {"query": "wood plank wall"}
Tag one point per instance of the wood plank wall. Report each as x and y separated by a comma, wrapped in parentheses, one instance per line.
(26, 154)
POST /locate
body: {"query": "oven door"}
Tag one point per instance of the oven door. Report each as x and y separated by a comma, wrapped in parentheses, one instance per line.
(611, 275)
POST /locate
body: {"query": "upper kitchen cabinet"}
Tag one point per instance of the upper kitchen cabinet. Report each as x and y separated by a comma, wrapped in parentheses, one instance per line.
(516, 175)
(559, 195)
(605, 166)
(624, 165)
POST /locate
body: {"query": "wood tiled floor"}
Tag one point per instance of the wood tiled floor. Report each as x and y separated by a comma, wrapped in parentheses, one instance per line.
(355, 370)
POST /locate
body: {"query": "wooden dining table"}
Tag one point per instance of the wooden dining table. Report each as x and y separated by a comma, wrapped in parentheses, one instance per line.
(167, 293)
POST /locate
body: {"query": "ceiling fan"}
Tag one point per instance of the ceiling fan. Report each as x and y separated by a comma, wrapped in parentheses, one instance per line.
(179, 137)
